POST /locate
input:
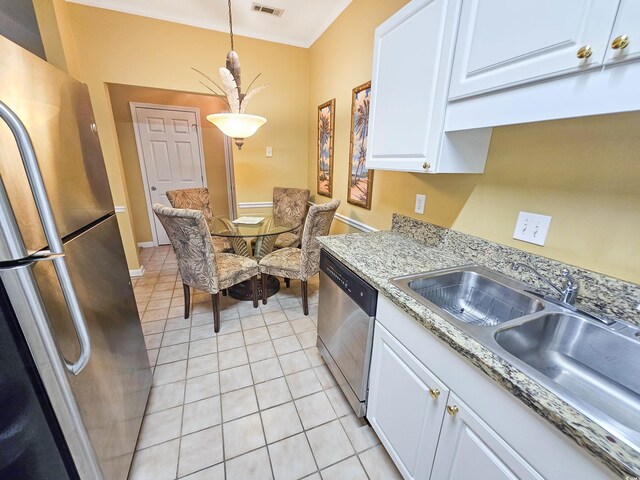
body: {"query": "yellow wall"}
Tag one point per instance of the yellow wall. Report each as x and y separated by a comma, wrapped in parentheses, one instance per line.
(114, 47)
(212, 139)
(583, 172)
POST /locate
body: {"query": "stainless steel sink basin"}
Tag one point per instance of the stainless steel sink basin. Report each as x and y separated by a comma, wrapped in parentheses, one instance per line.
(592, 366)
(471, 294)
(595, 364)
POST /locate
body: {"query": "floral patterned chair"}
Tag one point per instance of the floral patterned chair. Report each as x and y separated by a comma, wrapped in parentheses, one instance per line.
(303, 262)
(289, 208)
(198, 199)
(200, 267)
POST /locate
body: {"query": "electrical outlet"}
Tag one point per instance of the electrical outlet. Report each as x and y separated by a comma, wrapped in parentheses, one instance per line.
(269, 152)
(421, 200)
(532, 228)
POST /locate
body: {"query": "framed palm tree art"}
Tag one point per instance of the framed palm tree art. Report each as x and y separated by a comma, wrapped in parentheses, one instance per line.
(360, 182)
(326, 121)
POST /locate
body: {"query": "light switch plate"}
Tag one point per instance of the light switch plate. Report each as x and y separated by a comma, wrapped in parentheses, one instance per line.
(532, 228)
(420, 202)
(269, 152)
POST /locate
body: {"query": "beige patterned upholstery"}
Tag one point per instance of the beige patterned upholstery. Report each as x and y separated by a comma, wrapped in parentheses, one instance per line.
(198, 199)
(289, 208)
(301, 263)
(200, 267)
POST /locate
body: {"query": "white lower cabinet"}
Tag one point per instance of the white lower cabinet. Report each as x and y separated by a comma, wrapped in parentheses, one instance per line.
(468, 448)
(406, 406)
(440, 418)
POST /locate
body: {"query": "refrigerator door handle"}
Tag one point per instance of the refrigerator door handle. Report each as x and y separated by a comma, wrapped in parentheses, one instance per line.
(41, 199)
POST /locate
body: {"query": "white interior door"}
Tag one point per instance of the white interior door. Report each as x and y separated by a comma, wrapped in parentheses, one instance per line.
(170, 148)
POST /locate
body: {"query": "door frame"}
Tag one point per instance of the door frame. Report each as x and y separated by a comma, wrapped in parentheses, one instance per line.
(228, 155)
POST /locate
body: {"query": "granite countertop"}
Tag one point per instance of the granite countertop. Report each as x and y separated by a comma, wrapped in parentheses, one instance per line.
(379, 256)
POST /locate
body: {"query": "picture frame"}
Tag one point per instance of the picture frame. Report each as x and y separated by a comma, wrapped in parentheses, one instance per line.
(326, 124)
(360, 181)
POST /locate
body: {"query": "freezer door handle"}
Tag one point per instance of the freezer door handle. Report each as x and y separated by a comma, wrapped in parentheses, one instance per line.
(41, 199)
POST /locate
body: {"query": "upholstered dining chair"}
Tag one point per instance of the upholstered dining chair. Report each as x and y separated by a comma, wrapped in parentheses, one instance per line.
(300, 263)
(199, 265)
(198, 199)
(289, 208)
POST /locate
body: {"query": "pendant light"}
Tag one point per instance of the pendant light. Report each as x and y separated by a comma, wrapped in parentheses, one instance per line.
(235, 123)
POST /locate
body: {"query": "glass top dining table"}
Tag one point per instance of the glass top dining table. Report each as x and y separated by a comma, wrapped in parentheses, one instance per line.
(241, 232)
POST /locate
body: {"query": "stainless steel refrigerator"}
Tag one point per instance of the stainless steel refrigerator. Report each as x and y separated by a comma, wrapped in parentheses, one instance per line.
(74, 373)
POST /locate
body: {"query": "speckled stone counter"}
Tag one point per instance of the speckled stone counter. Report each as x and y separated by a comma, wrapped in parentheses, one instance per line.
(414, 247)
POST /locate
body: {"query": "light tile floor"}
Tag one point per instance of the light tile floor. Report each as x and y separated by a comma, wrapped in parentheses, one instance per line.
(255, 401)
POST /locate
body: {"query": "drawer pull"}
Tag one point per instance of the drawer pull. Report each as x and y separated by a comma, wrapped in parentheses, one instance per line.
(584, 52)
(452, 410)
(620, 42)
(434, 392)
(426, 166)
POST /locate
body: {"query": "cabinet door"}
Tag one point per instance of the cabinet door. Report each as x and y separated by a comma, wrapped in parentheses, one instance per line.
(406, 405)
(468, 448)
(412, 58)
(501, 44)
(627, 24)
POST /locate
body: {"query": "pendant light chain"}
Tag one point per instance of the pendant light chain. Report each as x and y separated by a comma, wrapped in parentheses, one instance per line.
(231, 25)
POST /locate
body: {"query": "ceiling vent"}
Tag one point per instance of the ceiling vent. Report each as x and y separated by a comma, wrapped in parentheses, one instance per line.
(276, 12)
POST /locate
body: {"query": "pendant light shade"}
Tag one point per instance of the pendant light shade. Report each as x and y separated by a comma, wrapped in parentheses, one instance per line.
(237, 125)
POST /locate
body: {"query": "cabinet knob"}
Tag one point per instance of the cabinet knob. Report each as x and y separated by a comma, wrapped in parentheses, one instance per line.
(584, 52)
(620, 42)
(426, 166)
(434, 393)
(452, 410)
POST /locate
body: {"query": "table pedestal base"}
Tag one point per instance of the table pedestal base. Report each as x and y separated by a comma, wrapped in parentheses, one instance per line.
(242, 290)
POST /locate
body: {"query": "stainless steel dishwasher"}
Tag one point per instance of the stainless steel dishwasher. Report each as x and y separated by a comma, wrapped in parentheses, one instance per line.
(346, 311)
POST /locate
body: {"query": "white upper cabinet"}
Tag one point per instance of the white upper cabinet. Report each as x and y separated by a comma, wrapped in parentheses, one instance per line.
(505, 43)
(413, 51)
(624, 43)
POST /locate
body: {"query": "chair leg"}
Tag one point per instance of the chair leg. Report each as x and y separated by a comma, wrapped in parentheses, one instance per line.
(287, 282)
(224, 292)
(187, 299)
(263, 287)
(215, 300)
(305, 296)
(254, 290)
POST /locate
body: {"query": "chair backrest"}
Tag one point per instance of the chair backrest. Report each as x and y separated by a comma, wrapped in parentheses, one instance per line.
(192, 199)
(191, 241)
(317, 224)
(290, 206)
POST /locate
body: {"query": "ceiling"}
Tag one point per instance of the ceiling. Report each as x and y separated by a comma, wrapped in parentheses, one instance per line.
(301, 24)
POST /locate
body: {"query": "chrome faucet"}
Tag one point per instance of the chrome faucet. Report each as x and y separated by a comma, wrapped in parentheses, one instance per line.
(571, 286)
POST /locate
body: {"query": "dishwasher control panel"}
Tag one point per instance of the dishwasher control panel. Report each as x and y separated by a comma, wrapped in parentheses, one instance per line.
(355, 287)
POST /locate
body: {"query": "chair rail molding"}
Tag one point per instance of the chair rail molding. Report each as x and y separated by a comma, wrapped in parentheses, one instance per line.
(242, 205)
(343, 218)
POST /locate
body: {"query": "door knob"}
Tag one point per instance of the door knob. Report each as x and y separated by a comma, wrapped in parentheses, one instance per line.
(434, 392)
(452, 410)
(620, 42)
(153, 189)
(584, 52)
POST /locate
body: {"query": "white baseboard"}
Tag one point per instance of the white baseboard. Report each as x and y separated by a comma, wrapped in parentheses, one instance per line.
(355, 223)
(255, 205)
(146, 244)
(138, 272)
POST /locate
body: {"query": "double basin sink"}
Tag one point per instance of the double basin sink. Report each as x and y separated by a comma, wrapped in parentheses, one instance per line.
(592, 366)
